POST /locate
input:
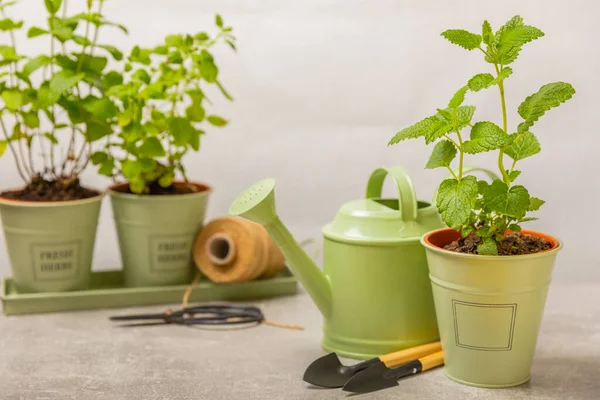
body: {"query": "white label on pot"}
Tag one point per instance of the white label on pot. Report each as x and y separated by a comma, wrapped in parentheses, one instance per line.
(56, 261)
(469, 316)
(170, 252)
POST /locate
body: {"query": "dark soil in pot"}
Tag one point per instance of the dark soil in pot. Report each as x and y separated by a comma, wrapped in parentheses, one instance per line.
(40, 189)
(157, 190)
(513, 244)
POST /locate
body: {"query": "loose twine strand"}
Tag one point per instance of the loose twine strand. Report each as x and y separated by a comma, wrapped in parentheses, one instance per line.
(198, 277)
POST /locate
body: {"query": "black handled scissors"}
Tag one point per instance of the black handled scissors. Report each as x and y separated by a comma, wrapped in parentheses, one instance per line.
(200, 315)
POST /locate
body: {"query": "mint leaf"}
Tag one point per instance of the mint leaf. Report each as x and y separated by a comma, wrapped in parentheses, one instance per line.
(464, 115)
(152, 147)
(216, 120)
(487, 247)
(34, 64)
(13, 99)
(514, 228)
(480, 81)
(420, 129)
(509, 40)
(63, 81)
(181, 129)
(486, 136)
(513, 175)
(523, 145)
(549, 96)
(458, 97)
(443, 154)
(455, 200)
(512, 202)
(462, 38)
(487, 35)
(535, 204)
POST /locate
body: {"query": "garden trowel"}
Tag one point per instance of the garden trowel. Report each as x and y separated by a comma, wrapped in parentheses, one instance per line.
(379, 376)
(329, 372)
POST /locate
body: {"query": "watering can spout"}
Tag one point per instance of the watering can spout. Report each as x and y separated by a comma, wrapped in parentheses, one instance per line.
(257, 204)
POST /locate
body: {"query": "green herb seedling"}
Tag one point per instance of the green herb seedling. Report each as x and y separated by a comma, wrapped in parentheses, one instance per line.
(466, 204)
(53, 104)
(161, 108)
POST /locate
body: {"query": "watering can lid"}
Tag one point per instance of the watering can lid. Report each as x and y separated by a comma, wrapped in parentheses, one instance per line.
(375, 219)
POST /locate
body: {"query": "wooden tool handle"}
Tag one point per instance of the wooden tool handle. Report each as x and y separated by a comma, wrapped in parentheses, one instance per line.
(432, 360)
(404, 356)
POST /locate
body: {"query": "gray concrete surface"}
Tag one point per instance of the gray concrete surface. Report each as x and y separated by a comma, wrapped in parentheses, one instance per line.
(80, 355)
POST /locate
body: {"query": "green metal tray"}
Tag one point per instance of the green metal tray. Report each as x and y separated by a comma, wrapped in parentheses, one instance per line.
(107, 291)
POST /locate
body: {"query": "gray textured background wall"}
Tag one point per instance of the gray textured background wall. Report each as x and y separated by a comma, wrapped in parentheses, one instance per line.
(322, 85)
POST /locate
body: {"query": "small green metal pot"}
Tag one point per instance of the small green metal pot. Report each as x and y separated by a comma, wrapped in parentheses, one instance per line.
(489, 309)
(156, 234)
(50, 244)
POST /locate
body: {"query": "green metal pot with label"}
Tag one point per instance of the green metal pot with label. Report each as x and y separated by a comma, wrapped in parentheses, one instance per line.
(374, 291)
(156, 234)
(50, 244)
(489, 309)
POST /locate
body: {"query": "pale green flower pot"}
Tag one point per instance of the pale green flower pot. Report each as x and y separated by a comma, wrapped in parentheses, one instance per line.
(489, 309)
(156, 234)
(50, 244)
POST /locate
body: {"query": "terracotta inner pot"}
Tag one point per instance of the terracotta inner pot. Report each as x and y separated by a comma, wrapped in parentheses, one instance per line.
(442, 237)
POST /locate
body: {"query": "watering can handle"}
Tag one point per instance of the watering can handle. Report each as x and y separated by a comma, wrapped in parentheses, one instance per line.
(407, 199)
(489, 173)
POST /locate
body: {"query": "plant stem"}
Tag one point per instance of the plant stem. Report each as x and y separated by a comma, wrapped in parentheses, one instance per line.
(13, 151)
(504, 126)
(461, 156)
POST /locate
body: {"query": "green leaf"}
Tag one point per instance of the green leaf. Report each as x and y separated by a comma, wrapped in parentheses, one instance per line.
(455, 200)
(161, 50)
(458, 97)
(97, 130)
(480, 81)
(512, 176)
(514, 228)
(166, 180)
(13, 99)
(181, 129)
(52, 6)
(443, 154)
(31, 119)
(141, 75)
(223, 91)
(95, 64)
(82, 40)
(114, 52)
(152, 147)
(3, 146)
(100, 107)
(132, 169)
(8, 24)
(512, 202)
(523, 145)
(111, 79)
(487, 247)
(462, 38)
(174, 40)
(536, 105)
(216, 120)
(107, 167)
(63, 81)
(51, 138)
(535, 204)
(464, 115)
(486, 33)
(486, 136)
(502, 75)
(195, 112)
(509, 41)
(482, 186)
(140, 55)
(99, 157)
(420, 129)
(34, 64)
(202, 36)
(219, 21)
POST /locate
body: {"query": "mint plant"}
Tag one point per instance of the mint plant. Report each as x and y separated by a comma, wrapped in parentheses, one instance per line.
(161, 110)
(466, 204)
(53, 104)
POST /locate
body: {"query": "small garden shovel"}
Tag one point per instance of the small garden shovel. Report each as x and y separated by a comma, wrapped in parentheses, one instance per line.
(329, 372)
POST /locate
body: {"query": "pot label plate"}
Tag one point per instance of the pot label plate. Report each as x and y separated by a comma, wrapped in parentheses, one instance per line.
(56, 261)
(170, 252)
(497, 321)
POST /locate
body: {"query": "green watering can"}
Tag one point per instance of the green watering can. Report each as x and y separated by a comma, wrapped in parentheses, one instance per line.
(374, 290)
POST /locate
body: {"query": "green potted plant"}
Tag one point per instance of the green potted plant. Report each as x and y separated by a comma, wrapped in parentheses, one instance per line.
(490, 278)
(52, 109)
(161, 118)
